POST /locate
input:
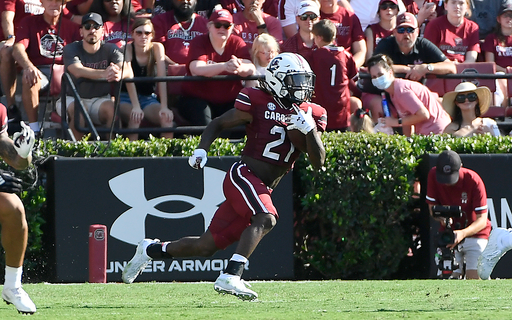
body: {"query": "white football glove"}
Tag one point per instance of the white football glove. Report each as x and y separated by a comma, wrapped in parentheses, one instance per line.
(24, 140)
(302, 121)
(198, 159)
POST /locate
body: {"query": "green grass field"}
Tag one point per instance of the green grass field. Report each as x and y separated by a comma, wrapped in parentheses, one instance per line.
(412, 299)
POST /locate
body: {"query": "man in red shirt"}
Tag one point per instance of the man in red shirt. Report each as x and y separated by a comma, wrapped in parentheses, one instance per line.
(333, 67)
(219, 52)
(450, 184)
(252, 21)
(302, 42)
(349, 33)
(40, 41)
(248, 214)
(13, 11)
(177, 28)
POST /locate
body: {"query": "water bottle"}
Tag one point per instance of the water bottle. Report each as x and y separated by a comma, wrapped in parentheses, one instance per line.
(385, 106)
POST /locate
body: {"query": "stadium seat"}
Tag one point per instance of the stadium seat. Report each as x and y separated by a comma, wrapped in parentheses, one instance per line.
(474, 68)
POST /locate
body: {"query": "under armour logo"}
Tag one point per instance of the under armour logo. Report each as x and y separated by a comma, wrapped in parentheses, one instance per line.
(128, 187)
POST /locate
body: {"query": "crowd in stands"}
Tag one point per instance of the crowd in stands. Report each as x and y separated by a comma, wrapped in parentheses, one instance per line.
(119, 39)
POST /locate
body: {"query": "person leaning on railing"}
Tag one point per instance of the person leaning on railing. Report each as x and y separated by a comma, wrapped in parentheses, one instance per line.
(219, 52)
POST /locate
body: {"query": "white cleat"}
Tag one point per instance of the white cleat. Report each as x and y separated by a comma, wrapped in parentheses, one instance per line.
(139, 261)
(228, 283)
(492, 252)
(20, 299)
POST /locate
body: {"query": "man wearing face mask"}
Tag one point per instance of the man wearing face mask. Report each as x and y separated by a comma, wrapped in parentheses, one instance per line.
(415, 104)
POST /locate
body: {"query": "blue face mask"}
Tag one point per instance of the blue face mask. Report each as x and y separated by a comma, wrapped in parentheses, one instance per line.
(383, 82)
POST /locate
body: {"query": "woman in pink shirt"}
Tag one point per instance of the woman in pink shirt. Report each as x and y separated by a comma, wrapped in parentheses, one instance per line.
(414, 103)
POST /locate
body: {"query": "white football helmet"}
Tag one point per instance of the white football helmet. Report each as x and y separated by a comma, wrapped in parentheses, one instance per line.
(289, 76)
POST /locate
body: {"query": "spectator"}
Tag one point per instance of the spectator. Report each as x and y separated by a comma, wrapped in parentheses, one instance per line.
(465, 105)
(349, 33)
(302, 42)
(333, 67)
(498, 49)
(367, 11)
(424, 11)
(217, 53)
(484, 14)
(264, 49)
(252, 21)
(454, 34)
(414, 56)
(116, 14)
(90, 59)
(387, 12)
(18, 154)
(138, 100)
(40, 39)
(205, 8)
(450, 184)
(360, 121)
(177, 28)
(12, 12)
(234, 6)
(415, 104)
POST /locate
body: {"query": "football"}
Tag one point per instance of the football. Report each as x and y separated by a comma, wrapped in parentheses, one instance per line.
(298, 139)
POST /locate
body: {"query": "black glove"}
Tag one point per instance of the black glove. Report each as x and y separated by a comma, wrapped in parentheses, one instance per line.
(9, 183)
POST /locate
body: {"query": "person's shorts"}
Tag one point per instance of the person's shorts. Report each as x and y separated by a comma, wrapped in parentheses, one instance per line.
(144, 101)
(246, 195)
(91, 105)
(46, 71)
(469, 251)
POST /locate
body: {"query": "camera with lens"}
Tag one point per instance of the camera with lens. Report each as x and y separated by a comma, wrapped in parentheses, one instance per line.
(446, 256)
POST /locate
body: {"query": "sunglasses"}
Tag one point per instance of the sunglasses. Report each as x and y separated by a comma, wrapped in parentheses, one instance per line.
(140, 33)
(471, 96)
(507, 14)
(386, 6)
(305, 16)
(403, 30)
(219, 25)
(88, 26)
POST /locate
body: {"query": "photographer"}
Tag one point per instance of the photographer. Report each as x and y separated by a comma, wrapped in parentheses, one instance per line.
(449, 184)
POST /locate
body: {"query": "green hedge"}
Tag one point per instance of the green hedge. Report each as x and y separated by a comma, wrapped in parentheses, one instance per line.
(351, 218)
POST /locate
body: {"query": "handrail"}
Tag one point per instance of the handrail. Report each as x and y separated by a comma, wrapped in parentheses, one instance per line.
(95, 131)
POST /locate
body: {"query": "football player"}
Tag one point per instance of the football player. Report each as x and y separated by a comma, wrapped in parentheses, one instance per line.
(17, 154)
(279, 106)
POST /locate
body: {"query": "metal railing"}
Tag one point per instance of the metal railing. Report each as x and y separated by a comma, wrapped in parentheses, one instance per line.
(79, 109)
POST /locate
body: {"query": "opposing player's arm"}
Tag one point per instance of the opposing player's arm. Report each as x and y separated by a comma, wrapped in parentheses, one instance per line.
(229, 119)
(10, 155)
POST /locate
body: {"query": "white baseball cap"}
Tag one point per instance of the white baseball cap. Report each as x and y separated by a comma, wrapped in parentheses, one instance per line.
(308, 6)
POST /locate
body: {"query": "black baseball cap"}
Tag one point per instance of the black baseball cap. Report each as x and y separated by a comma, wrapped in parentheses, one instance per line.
(505, 6)
(448, 166)
(92, 16)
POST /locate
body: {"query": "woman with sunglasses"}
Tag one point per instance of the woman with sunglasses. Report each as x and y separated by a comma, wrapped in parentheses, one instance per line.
(465, 105)
(414, 103)
(454, 33)
(138, 101)
(219, 52)
(388, 10)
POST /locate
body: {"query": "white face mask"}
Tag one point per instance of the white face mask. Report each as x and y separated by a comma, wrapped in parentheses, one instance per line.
(383, 82)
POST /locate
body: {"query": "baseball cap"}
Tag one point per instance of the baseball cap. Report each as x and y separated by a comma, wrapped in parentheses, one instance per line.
(308, 6)
(221, 15)
(382, 1)
(505, 6)
(447, 167)
(92, 16)
(406, 19)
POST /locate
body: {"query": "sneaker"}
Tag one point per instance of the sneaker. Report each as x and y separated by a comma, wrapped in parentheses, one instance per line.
(20, 299)
(228, 283)
(492, 252)
(13, 114)
(139, 261)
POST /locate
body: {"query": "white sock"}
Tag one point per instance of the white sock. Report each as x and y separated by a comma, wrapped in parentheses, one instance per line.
(13, 277)
(239, 258)
(34, 126)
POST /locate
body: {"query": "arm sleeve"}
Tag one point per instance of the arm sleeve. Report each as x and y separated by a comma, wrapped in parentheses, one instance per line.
(357, 30)
(431, 187)
(159, 25)
(287, 12)
(274, 28)
(432, 33)
(8, 5)
(116, 56)
(243, 101)
(480, 195)
(23, 32)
